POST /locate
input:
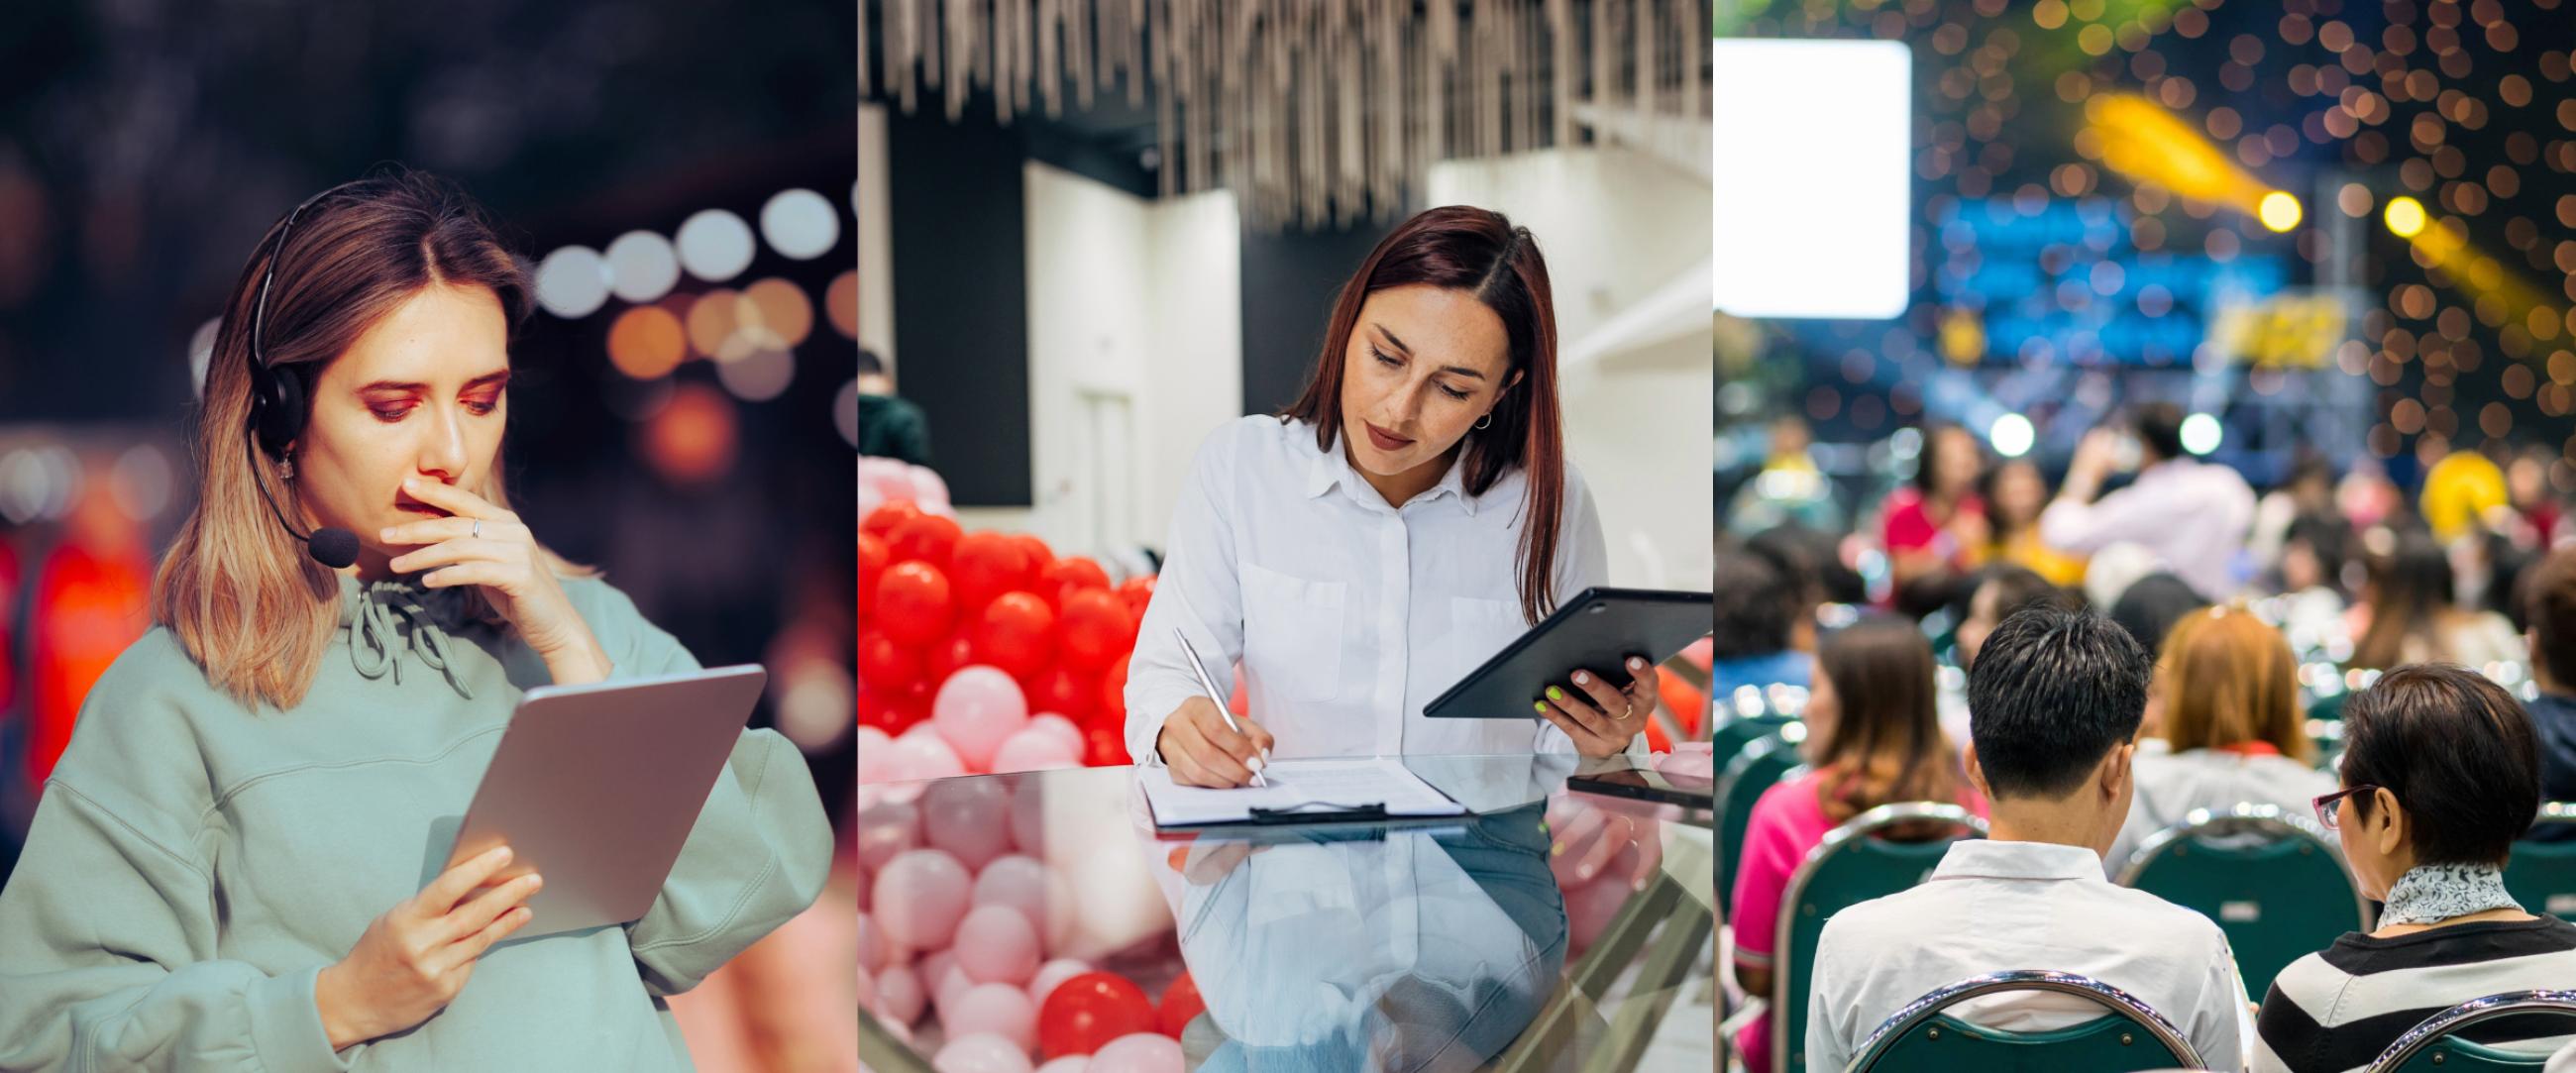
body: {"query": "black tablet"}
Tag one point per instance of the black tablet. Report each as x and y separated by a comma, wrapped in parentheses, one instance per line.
(1597, 631)
(1647, 784)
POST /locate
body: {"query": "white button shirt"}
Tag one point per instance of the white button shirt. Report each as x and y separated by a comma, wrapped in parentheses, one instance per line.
(1994, 906)
(2193, 515)
(1346, 614)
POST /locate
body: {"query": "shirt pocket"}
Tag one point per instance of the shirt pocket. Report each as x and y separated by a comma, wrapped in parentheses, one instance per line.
(1292, 633)
(1478, 629)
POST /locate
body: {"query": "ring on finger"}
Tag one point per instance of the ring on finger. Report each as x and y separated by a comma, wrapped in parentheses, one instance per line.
(478, 529)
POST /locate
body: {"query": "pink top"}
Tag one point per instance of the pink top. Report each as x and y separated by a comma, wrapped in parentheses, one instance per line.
(1787, 823)
(1909, 526)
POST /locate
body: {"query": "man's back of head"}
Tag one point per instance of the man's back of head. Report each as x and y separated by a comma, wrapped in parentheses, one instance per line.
(2054, 702)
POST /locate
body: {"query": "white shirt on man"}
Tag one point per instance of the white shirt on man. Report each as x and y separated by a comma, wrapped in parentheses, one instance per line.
(1996, 906)
(1347, 614)
(2192, 515)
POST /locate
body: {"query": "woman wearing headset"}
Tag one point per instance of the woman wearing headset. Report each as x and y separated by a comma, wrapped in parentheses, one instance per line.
(227, 870)
(1409, 516)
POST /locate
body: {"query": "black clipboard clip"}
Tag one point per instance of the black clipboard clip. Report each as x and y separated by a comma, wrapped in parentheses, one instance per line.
(1319, 812)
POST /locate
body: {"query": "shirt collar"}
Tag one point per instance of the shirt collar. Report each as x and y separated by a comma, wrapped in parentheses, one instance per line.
(1332, 467)
(1986, 858)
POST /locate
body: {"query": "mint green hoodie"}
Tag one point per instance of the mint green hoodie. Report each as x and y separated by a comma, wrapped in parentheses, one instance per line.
(195, 864)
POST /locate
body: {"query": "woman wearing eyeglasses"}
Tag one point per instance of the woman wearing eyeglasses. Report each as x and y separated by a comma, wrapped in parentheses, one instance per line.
(236, 863)
(2440, 776)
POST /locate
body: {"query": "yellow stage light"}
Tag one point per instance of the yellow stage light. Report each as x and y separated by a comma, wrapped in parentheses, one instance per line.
(2279, 211)
(2405, 216)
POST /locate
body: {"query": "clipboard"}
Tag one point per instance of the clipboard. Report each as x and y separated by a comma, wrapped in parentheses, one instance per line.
(1596, 630)
(1302, 793)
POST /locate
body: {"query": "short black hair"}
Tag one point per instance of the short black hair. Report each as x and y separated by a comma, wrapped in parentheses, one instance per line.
(1758, 599)
(869, 363)
(2457, 750)
(2053, 690)
(2159, 426)
(2150, 606)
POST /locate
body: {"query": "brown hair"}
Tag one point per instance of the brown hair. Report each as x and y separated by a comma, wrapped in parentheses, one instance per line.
(238, 592)
(1887, 746)
(2228, 678)
(1480, 252)
(2549, 605)
(2411, 594)
(2458, 752)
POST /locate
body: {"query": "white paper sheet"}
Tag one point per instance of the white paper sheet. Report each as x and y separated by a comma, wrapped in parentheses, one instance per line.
(1321, 785)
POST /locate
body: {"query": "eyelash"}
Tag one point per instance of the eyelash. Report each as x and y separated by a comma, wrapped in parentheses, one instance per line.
(1391, 363)
(478, 409)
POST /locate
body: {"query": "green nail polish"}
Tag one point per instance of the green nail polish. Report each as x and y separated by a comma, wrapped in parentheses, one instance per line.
(1540, 707)
(1554, 693)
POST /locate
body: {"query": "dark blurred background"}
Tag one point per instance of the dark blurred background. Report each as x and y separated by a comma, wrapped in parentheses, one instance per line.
(685, 403)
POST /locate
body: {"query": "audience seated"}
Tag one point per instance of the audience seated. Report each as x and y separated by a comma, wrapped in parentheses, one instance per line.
(2440, 776)
(2226, 703)
(2549, 607)
(1871, 740)
(2055, 700)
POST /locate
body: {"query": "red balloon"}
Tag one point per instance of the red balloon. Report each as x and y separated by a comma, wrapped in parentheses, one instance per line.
(1097, 628)
(1040, 556)
(887, 666)
(943, 658)
(1064, 577)
(1136, 592)
(1113, 693)
(986, 564)
(874, 556)
(1181, 1002)
(1066, 692)
(929, 538)
(1105, 746)
(913, 603)
(1089, 1010)
(882, 521)
(915, 703)
(1017, 634)
(881, 713)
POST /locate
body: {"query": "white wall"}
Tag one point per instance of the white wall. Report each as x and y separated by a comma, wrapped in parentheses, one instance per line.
(1134, 302)
(876, 255)
(1618, 230)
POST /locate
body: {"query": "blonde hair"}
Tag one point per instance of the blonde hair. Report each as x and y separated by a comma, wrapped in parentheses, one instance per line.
(2230, 678)
(239, 593)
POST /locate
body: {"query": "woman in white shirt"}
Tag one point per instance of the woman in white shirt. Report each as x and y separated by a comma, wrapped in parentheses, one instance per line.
(1356, 577)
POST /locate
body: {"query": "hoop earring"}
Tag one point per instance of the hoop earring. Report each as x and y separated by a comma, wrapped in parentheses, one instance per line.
(1487, 422)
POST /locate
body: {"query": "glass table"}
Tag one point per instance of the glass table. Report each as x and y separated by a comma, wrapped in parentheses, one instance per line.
(1549, 930)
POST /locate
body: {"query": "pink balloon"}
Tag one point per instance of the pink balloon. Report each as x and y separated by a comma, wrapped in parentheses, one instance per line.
(978, 708)
(1060, 726)
(1141, 1052)
(922, 757)
(872, 946)
(968, 818)
(934, 969)
(1028, 820)
(867, 990)
(874, 751)
(1051, 974)
(899, 997)
(1000, 1009)
(952, 984)
(996, 944)
(928, 488)
(1023, 884)
(1036, 749)
(982, 1053)
(886, 829)
(1071, 1063)
(920, 897)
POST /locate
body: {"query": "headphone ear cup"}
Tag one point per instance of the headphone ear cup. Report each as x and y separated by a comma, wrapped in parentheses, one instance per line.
(277, 408)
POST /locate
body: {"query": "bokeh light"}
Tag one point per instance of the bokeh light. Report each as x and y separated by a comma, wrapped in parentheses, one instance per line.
(2012, 435)
(715, 245)
(760, 376)
(572, 282)
(693, 438)
(2405, 216)
(2279, 211)
(647, 342)
(2201, 434)
(641, 266)
(841, 302)
(800, 224)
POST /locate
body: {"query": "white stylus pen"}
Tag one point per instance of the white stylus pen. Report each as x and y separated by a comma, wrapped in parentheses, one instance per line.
(1209, 684)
